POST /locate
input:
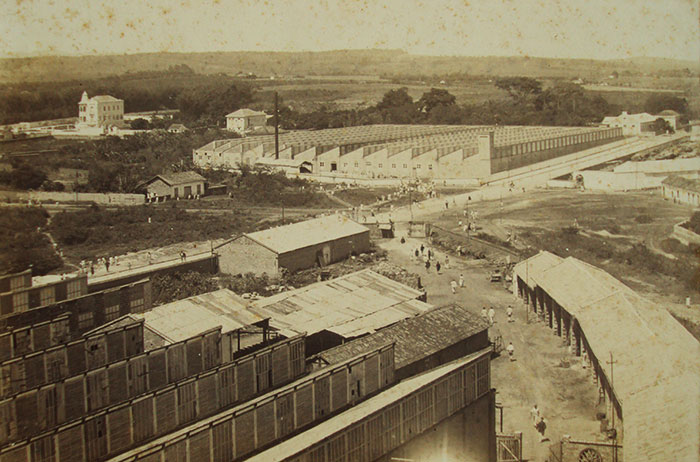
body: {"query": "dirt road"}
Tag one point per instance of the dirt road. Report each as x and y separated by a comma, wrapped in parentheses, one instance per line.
(566, 396)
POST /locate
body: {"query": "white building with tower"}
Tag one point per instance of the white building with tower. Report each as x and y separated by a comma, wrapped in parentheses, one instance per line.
(100, 111)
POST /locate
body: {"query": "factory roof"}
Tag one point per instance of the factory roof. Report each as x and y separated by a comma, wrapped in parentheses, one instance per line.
(350, 306)
(186, 318)
(306, 233)
(415, 338)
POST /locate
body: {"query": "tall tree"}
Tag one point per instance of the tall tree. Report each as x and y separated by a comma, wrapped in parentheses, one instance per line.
(436, 97)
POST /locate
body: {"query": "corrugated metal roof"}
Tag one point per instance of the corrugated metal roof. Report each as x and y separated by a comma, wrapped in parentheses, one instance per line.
(683, 183)
(306, 233)
(656, 371)
(324, 430)
(191, 316)
(415, 338)
(350, 305)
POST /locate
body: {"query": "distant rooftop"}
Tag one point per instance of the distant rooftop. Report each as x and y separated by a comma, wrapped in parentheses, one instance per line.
(689, 184)
(181, 177)
(105, 98)
(246, 113)
(307, 233)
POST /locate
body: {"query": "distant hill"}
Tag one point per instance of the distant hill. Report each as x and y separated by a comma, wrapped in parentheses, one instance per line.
(341, 62)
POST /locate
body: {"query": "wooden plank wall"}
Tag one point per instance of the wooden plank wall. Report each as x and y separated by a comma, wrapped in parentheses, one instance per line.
(62, 361)
(132, 298)
(238, 431)
(32, 297)
(118, 381)
(117, 428)
(397, 423)
(35, 337)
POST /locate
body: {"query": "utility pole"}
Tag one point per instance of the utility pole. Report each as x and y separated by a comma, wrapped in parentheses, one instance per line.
(612, 384)
(277, 131)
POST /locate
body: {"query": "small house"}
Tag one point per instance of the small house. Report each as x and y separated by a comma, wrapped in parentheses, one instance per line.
(175, 185)
(177, 128)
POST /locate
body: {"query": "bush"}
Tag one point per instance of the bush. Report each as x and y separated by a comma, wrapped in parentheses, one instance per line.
(22, 244)
(644, 219)
(176, 286)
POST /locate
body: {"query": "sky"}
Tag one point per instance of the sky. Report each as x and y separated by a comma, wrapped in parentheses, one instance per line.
(599, 29)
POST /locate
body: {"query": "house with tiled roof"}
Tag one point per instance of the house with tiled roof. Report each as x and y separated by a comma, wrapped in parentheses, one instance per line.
(681, 190)
(175, 185)
(632, 124)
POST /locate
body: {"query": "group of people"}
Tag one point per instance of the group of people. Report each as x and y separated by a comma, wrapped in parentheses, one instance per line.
(86, 266)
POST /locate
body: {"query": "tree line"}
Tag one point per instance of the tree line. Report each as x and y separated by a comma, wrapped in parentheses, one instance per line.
(528, 103)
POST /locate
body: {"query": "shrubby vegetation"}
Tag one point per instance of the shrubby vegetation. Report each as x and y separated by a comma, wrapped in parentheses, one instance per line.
(96, 231)
(170, 287)
(22, 244)
(203, 99)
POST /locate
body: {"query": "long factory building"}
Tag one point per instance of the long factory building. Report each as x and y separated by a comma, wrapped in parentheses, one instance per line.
(406, 151)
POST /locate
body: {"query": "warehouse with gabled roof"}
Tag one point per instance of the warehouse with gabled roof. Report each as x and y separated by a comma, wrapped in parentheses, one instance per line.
(316, 242)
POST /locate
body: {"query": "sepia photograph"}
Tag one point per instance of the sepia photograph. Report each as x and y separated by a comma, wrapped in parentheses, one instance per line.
(350, 231)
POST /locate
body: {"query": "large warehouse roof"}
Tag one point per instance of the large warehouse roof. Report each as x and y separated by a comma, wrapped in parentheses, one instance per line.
(307, 233)
(656, 375)
(415, 338)
(350, 306)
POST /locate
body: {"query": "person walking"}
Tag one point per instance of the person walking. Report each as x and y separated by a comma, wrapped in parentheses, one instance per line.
(422, 249)
(437, 267)
(535, 414)
(453, 286)
(427, 265)
(511, 350)
(447, 261)
(541, 428)
(107, 264)
(509, 312)
(492, 316)
(484, 314)
(461, 280)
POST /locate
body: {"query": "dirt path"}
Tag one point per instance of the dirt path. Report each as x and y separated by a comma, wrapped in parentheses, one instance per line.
(566, 396)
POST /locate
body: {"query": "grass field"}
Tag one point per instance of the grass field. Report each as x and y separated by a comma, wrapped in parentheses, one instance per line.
(624, 233)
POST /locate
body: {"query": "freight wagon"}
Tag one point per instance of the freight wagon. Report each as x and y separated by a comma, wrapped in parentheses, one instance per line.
(263, 422)
(23, 340)
(68, 359)
(59, 403)
(118, 428)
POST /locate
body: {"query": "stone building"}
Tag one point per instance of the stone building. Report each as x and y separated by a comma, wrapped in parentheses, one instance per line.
(302, 245)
